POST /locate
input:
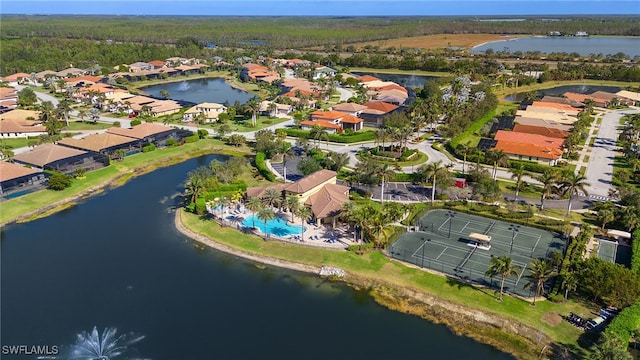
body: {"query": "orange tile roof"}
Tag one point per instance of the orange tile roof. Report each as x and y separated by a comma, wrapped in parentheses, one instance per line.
(16, 77)
(349, 107)
(526, 138)
(390, 87)
(554, 105)
(350, 119)
(541, 130)
(381, 106)
(326, 115)
(9, 171)
(367, 78)
(515, 148)
(8, 93)
(157, 63)
(321, 123)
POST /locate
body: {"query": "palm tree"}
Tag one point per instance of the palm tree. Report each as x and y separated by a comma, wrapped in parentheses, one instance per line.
(292, 203)
(383, 171)
(631, 217)
(272, 197)
(339, 160)
(548, 180)
(433, 171)
(503, 266)
(193, 188)
(304, 213)
(254, 205)
(266, 215)
(253, 105)
(286, 155)
(318, 133)
(571, 184)
(540, 271)
(497, 158)
(517, 174)
(569, 283)
(606, 215)
(464, 150)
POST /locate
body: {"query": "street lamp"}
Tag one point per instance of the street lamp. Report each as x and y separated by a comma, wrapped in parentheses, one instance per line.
(514, 229)
(450, 215)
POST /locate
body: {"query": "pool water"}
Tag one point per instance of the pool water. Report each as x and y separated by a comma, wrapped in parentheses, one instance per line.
(277, 226)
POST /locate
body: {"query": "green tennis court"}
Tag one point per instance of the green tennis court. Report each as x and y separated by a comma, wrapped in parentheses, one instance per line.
(447, 241)
(607, 250)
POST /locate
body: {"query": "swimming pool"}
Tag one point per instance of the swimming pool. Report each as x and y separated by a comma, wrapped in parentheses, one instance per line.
(277, 226)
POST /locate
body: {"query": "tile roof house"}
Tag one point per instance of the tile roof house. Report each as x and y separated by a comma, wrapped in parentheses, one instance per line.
(317, 191)
(164, 107)
(8, 99)
(16, 78)
(376, 111)
(541, 122)
(85, 80)
(526, 138)
(349, 108)
(600, 98)
(280, 110)
(566, 107)
(562, 100)
(540, 130)
(257, 72)
(323, 72)
(105, 143)
(524, 151)
(60, 158)
(211, 112)
(629, 95)
(556, 117)
(70, 72)
(16, 127)
(332, 119)
(148, 133)
(552, 110)
(15, 178)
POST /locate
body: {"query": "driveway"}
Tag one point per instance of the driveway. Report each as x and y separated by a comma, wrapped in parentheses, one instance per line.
(599, 171)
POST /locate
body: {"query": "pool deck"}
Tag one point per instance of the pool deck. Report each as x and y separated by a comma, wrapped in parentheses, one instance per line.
(319, 236)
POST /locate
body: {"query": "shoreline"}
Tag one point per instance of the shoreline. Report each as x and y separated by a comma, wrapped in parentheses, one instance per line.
(475, 324)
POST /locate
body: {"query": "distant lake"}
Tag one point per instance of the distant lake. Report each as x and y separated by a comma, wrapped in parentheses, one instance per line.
(559, 90)
(580, 45)
(200, 90)
(408, 81)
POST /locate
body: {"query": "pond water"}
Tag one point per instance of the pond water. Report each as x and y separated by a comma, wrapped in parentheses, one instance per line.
(406, 80)
(117, 261)
(559, 90)
(200, 90)
(580, 45)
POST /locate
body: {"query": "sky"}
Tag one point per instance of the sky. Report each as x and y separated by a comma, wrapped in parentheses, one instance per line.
(322, 7)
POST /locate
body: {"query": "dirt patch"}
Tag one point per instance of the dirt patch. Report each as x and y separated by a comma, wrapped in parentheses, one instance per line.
(552, 318)
(465, 41)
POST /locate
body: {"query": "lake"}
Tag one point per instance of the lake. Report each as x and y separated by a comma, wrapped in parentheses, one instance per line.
(408, 81)
(560, 90)
(581, 45)
(200, 90)
(116, 260)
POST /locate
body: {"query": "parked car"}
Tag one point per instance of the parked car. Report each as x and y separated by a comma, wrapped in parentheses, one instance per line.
(594, 323)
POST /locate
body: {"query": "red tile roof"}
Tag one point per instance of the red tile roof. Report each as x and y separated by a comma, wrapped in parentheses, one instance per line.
(9, 171)
(381, 106)
(541, 130)
(525, 138)
(326, 115)
(554, 105)
(350, 119)
(321, 123)
(367, 78)
(541, 152)
(16, 77)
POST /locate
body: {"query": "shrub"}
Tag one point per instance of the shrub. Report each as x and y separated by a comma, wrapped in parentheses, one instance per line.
(59, 181)
(267, 122)
(202, 133)
(261, 165)
(625, 324)
(148, 148)
(635, 252)
(200, 206)
(172, 142)
(135, 122)
(192, 138)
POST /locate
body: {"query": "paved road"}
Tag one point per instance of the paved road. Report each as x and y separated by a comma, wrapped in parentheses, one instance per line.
(599, 172)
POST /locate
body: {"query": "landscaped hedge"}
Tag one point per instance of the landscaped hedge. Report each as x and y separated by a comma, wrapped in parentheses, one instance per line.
(339, 138)
(192, 138)
(148, 148)
(635, 252)
(261, 165)
(623, 326)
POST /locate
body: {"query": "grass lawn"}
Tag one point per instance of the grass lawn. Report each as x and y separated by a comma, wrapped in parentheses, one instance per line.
(471, 135)
(376, 265)
(420, 158)
(16, 143)
(526, 190)
(123, 171)
(552, 84)
(81, 125)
